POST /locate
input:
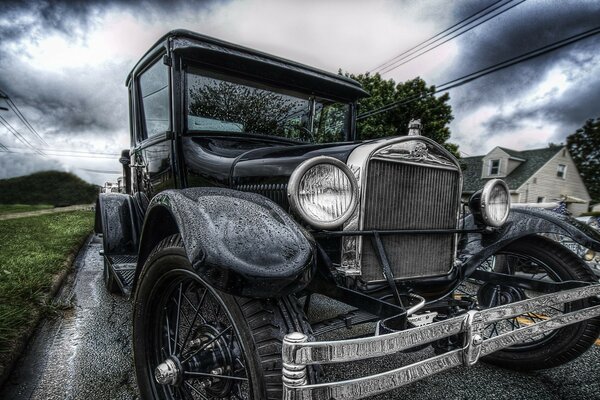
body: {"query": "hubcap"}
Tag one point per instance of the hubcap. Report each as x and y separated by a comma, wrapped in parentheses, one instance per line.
(167, 373)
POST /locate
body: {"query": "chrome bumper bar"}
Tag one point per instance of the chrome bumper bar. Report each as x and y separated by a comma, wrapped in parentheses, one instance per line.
(298, 352)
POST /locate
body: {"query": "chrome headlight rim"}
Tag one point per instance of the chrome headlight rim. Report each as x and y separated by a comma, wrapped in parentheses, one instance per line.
(486, 194)
(294, 183)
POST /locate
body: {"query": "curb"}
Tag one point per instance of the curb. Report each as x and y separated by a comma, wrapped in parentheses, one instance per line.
(28, 331)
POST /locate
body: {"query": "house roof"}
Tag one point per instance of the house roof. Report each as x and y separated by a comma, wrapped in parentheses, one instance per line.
(534, 160)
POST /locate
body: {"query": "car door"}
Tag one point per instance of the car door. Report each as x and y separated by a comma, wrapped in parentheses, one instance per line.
(153, 152)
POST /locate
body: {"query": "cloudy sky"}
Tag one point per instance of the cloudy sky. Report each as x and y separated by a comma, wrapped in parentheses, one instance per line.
(64, 64)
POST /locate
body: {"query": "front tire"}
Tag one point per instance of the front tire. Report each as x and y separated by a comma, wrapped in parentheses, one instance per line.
(537, 258)
(208, 344)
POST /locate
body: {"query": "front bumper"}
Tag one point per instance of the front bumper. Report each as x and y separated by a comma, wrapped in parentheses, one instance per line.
(298, 352)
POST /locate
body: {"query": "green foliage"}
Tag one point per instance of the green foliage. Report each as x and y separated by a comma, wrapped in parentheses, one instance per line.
(48, 187)
(434, 112)
(584, 146)
(33, 251)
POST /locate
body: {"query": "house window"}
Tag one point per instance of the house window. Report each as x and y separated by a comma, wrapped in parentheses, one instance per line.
(541, 199)
(534, 180)
(561, 171)
(494, 168)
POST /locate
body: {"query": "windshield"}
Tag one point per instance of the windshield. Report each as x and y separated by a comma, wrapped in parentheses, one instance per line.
(222, 104)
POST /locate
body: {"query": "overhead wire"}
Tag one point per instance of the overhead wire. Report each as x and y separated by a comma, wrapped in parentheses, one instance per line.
(18, 150)
(20, 115)
(18, 135)
(486, 71)
(458, 25)
(427, 49)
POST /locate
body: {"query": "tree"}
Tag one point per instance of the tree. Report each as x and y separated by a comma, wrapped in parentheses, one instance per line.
(584, 146)
(434, 112)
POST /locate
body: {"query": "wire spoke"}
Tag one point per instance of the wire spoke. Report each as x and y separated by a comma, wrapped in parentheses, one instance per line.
(195, 390)
(168, 331)
(196, 314)
(207, 343)
(207, 375)
(177, 318)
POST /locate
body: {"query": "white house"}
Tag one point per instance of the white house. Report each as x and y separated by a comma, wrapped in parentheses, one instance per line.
(533, 176)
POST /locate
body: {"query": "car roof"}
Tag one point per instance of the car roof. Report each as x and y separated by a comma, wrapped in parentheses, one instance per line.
(222, 54)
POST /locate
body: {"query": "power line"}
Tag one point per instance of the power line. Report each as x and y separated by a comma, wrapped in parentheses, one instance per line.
(98, 171)
(18, 135)
(17, 150)
(404, 60)
(486, 71)
(81, 152)
(20, 115)
(458, 25)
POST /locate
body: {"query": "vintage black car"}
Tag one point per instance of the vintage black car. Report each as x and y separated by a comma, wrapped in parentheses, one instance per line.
(249, 192)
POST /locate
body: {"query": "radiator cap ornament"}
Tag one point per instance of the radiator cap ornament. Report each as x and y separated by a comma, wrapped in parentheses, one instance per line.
(414, 127)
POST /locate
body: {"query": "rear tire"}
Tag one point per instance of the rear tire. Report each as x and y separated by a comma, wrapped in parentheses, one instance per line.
(538, 256)
(246, 333)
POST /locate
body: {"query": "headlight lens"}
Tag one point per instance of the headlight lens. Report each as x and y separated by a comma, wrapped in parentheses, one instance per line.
(491, 205)
(589, 255)
(323, 191)
(495, 202)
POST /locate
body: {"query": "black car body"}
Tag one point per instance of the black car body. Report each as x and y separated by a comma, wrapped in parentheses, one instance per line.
(250, 165)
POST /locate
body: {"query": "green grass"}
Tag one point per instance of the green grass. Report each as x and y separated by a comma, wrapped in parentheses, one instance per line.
(17, 208)
(32, 251)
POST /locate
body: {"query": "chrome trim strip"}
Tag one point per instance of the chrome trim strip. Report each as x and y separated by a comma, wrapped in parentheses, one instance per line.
(371, 385)
(298, 355)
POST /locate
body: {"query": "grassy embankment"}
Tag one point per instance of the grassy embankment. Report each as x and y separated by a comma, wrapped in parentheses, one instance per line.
(19, 208)
(33, 250)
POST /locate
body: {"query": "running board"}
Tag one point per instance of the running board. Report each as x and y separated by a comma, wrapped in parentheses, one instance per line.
(298, 352)
(123, 269)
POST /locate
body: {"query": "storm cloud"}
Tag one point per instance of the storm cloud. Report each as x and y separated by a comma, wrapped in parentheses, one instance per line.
(64, 64)
(547, 97)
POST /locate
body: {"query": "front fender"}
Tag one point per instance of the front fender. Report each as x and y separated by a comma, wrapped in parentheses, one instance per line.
(477, 247)
(241, 243)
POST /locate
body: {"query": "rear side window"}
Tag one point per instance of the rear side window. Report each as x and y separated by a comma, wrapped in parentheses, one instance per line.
(154, 90)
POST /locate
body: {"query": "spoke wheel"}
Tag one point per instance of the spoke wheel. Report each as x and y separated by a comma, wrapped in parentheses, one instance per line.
(539, 259)
(192, 341)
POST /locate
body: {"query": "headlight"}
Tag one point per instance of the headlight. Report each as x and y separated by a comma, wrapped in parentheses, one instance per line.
(492, 204)
(589, 255)
(323, 191)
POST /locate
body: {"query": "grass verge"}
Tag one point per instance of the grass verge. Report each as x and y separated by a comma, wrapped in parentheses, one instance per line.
(18, 208)
(33, 251)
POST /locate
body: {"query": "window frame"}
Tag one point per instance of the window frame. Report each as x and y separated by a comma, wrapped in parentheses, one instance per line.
(561, 174)
(143, 131)
(491, 166)
(349, 129)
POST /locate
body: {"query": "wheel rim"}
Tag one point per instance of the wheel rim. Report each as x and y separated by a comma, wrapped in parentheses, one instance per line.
(194, 345)
(488, 295)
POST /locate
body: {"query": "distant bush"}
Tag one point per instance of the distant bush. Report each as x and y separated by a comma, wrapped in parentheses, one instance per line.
(48, 187)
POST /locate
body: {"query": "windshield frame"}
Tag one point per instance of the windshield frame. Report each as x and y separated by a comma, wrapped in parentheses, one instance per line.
(193, 68)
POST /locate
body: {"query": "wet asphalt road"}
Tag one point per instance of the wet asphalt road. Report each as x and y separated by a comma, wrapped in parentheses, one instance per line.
(85, 353)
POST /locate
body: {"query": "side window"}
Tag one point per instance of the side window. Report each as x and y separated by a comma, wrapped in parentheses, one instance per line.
(494, 167)
(154, 92)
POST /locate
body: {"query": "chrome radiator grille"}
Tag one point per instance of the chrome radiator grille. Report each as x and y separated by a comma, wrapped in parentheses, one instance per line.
(410, 196)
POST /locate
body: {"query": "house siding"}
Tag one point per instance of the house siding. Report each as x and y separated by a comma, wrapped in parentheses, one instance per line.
(551, 187)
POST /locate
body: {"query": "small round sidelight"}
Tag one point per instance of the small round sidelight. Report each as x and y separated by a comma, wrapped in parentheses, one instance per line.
(323, 191)
(491, 204)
